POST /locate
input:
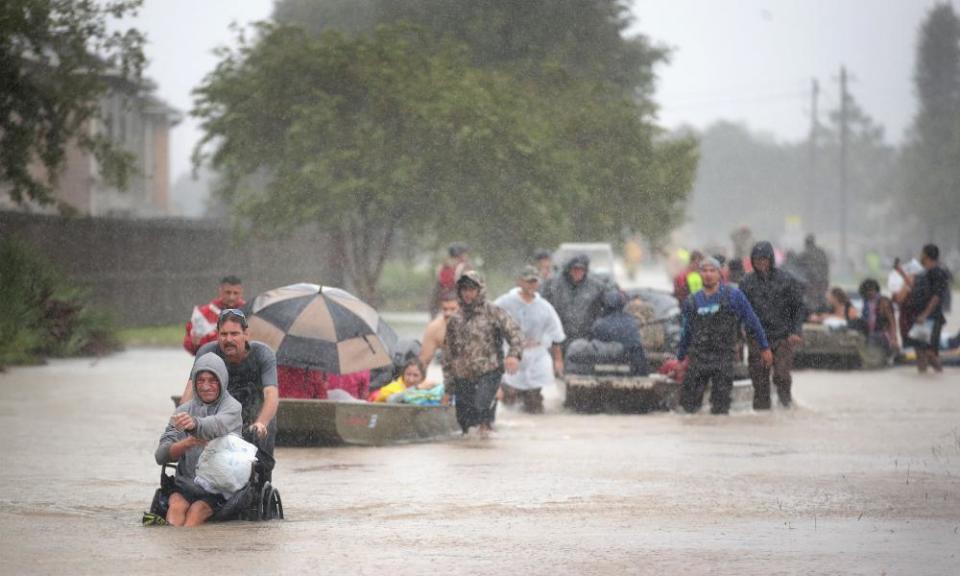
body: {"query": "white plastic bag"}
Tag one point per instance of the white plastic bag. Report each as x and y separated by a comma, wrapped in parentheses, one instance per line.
(224, 465)
(921, 332)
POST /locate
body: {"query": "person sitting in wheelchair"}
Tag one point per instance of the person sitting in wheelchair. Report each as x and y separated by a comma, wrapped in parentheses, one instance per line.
(211, 413)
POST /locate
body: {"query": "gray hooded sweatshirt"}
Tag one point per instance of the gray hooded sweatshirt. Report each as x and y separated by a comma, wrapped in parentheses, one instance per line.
(218, 418)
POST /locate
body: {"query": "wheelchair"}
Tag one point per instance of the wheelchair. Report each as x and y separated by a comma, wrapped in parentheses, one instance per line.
(258, 500)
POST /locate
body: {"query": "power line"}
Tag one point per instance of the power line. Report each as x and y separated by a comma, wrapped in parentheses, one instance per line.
(756, 98)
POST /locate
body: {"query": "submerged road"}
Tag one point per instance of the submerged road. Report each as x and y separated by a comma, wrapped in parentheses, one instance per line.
(861, 477)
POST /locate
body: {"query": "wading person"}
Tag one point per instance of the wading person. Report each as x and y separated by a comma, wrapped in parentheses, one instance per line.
(542, 336)
(711, 325)
(777, 299)
(210, 414)
(436, 330)
(202, 327)
(928, 294)
(473, 357)
(253, 382)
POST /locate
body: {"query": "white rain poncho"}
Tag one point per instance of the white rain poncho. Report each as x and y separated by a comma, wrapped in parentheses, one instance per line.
(541, 328)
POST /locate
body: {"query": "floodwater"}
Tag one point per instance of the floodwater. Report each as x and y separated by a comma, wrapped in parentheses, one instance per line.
(862, 477)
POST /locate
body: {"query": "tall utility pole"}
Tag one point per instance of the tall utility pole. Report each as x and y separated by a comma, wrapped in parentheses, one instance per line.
(844, 137)
(812, 191)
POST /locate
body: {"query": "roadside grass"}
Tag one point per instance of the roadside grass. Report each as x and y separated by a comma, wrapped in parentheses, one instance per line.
(152, 336)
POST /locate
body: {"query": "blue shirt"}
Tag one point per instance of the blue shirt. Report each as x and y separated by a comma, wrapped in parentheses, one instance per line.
(704, 304)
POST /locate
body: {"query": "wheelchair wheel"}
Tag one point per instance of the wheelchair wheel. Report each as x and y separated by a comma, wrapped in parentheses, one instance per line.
(271, 507)
(263, 502)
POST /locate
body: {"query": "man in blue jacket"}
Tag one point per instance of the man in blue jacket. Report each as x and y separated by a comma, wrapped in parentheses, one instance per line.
(777, 298)
(711, 322)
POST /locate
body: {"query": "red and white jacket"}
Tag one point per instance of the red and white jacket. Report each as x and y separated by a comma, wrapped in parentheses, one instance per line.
(203, 324)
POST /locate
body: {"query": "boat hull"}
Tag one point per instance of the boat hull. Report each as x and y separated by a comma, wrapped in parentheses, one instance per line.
(304, 422)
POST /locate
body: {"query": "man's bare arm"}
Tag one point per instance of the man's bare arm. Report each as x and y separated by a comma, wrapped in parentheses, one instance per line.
(271, 399)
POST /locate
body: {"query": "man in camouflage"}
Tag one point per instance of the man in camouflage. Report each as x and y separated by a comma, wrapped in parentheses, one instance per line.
(473, 358)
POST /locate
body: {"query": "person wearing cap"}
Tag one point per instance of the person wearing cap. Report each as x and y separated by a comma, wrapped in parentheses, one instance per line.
(542, 337)
(202, 327)
(252, 366)
(543, 260)
(777, 298)
(576, 296)
(473, 354)
(711, 322)
(211, 413)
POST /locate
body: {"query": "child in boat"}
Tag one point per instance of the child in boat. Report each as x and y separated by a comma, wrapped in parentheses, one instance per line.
(412, 380)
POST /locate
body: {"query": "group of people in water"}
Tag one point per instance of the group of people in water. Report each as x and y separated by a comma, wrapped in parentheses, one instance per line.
(511, 348)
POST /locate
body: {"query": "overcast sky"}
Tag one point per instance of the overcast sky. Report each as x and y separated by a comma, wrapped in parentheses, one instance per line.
(750, 61)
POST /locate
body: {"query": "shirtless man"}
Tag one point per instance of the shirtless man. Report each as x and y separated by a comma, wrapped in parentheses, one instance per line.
(436, 330)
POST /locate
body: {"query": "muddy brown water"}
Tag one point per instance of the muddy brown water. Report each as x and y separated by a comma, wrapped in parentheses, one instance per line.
(861, 477)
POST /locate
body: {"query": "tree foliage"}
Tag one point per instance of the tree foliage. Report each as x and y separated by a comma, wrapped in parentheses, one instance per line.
(55, 58)
(524, 37)
(401, 132)
(932, 156)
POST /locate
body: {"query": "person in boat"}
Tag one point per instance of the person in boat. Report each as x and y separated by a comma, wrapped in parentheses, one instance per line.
(252, 367)
(712, 319)
(840, 308)
(877, 321)
(211, 413)
(619, 326)
(202, 327)
(542, 338)
(473, 354)
(412, 375)
(437, 328)
(777, 299)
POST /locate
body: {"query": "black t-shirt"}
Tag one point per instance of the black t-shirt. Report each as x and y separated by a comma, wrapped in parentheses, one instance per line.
(934, 282)
(249, 377)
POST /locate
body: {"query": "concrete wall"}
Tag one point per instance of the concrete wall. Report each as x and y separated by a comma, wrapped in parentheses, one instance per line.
(151, 272)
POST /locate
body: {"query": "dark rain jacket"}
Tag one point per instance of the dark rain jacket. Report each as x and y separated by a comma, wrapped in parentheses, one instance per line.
(776, 297)
(473, 345)
(618, 326)
(578, 305)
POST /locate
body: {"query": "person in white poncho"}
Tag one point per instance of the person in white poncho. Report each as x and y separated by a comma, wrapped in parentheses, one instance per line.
(542, 335)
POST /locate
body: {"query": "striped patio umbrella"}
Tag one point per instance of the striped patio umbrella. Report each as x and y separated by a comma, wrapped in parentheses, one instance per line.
(321, 328)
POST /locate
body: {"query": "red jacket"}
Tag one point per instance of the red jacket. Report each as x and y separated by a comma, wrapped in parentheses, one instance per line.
(204, 321)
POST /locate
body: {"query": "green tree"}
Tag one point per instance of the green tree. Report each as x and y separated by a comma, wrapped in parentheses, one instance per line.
(525, 37)
(369, 137)
(595, 83)
(932, 156)
(397, 134)
(55, 59)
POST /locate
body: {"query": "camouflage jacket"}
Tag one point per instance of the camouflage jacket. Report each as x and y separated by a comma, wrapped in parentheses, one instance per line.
(474, 340)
